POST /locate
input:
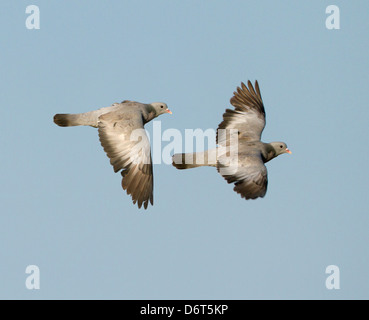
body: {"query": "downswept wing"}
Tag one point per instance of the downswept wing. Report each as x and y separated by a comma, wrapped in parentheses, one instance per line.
(249, 176)
(248, 117)
(123, 137)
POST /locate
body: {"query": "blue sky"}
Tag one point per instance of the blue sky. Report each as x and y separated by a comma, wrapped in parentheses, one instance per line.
(63, 208)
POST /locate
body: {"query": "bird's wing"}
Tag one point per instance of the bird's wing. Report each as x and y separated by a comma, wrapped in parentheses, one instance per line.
(249, 175)
(123, 137)
(248, 117)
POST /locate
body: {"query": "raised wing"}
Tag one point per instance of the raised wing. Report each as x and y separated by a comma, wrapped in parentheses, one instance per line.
(248, 117)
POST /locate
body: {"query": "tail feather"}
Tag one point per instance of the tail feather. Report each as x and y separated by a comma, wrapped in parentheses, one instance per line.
(194, 160)
(90, 118)
(179, 161)
(67, 120)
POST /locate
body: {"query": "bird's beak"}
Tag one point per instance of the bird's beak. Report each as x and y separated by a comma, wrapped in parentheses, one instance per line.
(170, 112)
(288, 151)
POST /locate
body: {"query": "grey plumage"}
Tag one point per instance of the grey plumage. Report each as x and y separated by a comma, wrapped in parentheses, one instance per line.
(241, 130)
(194, 160)
(122, 135)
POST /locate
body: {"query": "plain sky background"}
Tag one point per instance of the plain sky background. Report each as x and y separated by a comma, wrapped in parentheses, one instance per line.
(62, 206)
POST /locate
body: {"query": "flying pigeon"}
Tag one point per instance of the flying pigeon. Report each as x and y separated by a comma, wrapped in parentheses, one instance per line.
(240, 155)
(122, 135)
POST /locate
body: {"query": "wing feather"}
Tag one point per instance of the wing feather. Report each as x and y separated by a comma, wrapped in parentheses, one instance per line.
(249, 175)
(248, 117)
(131, 155)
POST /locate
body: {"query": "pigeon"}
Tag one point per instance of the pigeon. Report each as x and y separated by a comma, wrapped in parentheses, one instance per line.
(240, 156)
(122, 135)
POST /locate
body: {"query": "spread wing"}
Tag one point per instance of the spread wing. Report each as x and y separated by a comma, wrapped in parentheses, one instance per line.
(248, 117)
(249, 175)
(123, 137)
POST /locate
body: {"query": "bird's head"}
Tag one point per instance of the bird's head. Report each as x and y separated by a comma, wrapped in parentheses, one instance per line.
(280, 148)
(160, 108)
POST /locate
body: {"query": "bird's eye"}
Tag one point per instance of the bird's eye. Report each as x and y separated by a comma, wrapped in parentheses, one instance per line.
(162, 107)
(281, 147)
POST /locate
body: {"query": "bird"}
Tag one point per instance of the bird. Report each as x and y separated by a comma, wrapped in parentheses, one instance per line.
(123, 138)
(240, 155)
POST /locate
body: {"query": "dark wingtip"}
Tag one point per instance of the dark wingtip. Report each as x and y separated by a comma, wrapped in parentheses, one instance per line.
(248, 96)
